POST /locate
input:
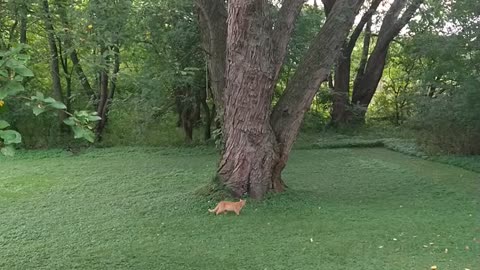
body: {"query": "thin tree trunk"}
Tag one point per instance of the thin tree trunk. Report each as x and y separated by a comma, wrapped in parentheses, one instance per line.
(103, 97)
(73, 53)
(106, 94)
(207, 114)
(102, 103)
(208, 121)
(23, 23)
(54, 59)
(212, 17)
(68, 76)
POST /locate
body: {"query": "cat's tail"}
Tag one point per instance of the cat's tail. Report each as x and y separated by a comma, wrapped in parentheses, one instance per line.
(213, 210)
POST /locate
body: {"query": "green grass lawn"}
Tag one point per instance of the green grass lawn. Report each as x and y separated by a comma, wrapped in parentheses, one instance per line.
(135, 208)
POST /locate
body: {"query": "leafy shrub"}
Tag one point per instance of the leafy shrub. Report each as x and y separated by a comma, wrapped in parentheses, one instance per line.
(450, 123)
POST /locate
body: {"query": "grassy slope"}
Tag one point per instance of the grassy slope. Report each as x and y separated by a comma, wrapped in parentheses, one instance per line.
(133, 208)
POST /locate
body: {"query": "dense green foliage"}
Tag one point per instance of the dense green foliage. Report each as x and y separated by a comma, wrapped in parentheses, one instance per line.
(136, 208)
(157, 89)
(433, 79)
(13, 71)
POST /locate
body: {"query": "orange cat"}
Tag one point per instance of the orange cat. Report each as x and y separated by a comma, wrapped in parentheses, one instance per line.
(224, 206)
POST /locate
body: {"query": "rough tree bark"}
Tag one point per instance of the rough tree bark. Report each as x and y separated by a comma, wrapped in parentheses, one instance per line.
(393, 23)
(258, 138)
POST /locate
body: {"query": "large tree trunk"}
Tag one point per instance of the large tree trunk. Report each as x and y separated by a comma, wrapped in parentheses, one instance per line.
(249, 155)
(257, 140)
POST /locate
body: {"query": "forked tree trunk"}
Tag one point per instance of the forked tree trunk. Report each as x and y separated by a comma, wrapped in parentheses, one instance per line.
(341, 107)
(258, 138)
(365, 85)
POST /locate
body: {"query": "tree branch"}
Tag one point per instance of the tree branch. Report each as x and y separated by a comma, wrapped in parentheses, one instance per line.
(283, 28)
(358, 29)
(406, 16)
(327, 6)
(288, 113)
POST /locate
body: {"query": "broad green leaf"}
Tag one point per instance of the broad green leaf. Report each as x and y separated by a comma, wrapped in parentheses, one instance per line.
(77, 132)
(93, 118)
(23, 71)
(39, 96)
(69, 121)
(58, 105)
(12, 88)
(8, 151)
(3, 73)
(49, 100)
(89, 136)
(10, 136)
(13, 64)
(38, 109)
(82, 133)
(23, 57)
(4, 124)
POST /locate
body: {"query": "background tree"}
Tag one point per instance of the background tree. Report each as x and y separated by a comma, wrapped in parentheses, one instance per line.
(446, 109)
(372, 64)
